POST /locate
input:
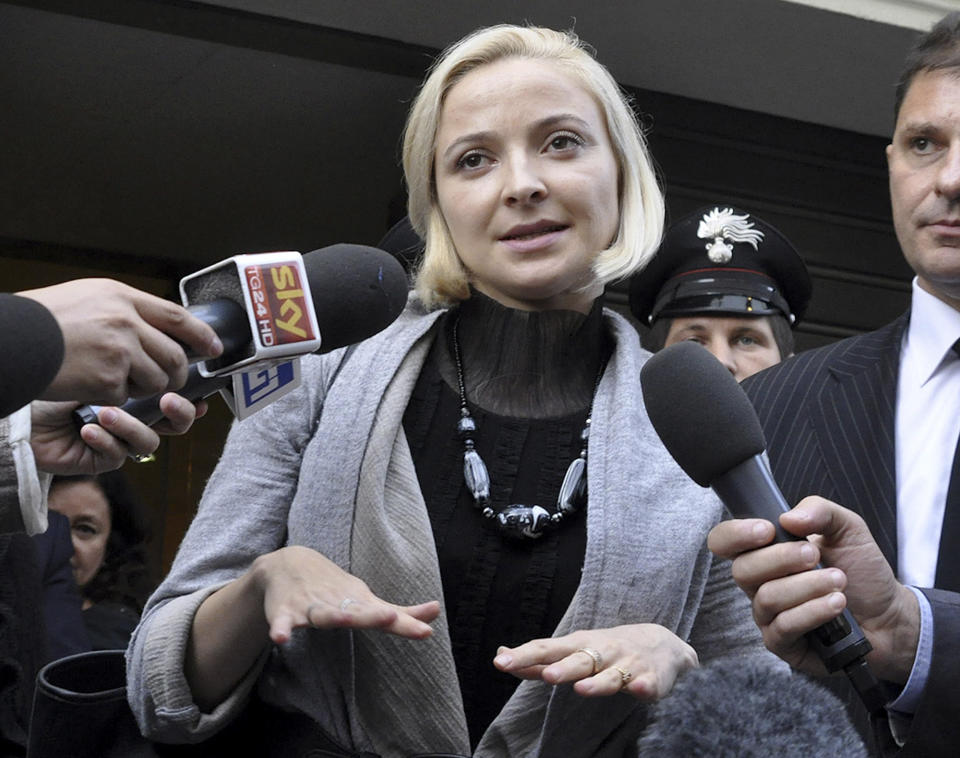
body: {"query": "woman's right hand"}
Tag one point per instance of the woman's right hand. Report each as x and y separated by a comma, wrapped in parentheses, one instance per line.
(289, 588)
(302, 588)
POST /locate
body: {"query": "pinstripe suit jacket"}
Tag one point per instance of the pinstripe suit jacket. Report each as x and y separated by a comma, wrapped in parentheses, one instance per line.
(828, 416)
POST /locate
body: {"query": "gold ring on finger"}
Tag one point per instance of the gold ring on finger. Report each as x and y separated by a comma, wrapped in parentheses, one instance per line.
(625, 676)
(594, 656)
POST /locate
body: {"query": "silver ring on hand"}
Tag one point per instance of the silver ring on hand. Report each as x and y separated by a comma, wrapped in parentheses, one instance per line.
(345, 603)
(594, 656)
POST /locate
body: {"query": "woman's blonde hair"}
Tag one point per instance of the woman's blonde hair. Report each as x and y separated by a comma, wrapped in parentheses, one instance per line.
(442, 278)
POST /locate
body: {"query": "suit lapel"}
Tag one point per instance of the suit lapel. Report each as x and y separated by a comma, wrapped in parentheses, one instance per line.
(854, 423)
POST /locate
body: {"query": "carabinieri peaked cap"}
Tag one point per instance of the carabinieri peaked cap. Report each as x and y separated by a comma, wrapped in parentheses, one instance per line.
(723, 260)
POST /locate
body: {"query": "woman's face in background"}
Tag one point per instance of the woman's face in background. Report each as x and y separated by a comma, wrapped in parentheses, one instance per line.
(87, 508)
(527, 182)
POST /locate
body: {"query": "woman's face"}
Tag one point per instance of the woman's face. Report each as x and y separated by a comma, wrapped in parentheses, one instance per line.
(527, 183)
(86, 506)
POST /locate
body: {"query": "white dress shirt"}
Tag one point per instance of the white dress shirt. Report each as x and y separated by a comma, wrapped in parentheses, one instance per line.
(927, 428)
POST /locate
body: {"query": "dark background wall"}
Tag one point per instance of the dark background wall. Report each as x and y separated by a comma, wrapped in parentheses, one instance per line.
(143, 140)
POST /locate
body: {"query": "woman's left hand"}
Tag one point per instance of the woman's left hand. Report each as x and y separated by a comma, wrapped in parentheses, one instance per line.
(641, 659)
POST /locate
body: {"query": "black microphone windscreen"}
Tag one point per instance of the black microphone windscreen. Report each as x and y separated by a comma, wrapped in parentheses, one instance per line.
(357, 291)
(746, 707)
(32, 343)
(701, 414)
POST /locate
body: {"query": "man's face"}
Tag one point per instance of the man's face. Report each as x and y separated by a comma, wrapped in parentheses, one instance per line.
(924, 163)
(744, 344)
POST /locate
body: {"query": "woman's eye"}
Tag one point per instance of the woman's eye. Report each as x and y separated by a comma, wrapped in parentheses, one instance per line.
(471, 160)
(921, 145)
(565, 141)
(85, 530)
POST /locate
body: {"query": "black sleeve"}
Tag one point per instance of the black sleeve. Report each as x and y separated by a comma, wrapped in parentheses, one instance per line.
(31, 346)
(935, 729)
(65, 630)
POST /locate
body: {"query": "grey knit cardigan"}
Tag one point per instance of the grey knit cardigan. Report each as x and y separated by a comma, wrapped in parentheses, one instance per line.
(328, 467)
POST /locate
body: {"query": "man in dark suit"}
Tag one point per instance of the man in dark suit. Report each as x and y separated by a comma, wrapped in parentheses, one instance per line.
(872, 422)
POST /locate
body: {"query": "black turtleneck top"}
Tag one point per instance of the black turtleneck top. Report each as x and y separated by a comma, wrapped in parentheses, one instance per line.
(530, 378)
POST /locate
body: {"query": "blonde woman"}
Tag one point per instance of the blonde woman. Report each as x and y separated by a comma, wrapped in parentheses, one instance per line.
(463, 537)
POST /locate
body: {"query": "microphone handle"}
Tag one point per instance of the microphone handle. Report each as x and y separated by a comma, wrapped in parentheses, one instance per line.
(147, 409)
(749, 491)
(228, 319)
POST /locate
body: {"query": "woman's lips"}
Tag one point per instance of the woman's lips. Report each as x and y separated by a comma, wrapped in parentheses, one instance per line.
(525, 239)
(945, 228)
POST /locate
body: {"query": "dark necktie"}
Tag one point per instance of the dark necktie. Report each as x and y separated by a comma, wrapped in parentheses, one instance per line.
(948, 559)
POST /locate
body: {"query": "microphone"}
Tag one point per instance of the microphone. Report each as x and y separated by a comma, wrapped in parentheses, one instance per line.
(31, 337)
(747, 706)
(268, 305)
(706, 422)
(347, 294)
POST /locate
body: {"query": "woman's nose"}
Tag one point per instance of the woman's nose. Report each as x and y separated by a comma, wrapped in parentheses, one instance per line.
(523, 183)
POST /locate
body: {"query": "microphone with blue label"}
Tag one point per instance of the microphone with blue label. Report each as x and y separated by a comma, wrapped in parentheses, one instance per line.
(270, 308)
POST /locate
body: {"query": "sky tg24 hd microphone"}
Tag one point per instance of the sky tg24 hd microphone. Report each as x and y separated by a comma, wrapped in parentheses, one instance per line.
(273, 290)
(708, 425)
(271, 308)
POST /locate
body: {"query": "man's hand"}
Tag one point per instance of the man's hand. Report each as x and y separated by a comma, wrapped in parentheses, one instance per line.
(120, 342)
(791, 596)
(60, 448)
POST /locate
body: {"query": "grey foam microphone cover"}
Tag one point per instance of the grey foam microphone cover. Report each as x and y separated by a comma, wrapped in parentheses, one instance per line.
(701, 414)
(749, 707)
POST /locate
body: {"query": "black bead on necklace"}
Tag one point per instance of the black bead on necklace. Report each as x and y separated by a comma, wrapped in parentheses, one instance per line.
(517, 520)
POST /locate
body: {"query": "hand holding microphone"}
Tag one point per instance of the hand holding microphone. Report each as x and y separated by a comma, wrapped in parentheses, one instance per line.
(59, 447)
(118, 342)
(709, 426)
(791, 594)
(94, 340)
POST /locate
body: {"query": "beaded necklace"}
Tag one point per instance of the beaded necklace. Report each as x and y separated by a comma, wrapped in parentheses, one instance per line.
(516, 520)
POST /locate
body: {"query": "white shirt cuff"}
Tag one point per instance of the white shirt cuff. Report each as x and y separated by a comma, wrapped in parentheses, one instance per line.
(909, 698)
(32, 486)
